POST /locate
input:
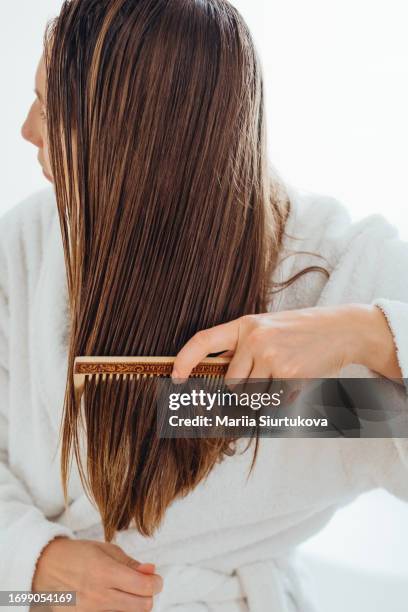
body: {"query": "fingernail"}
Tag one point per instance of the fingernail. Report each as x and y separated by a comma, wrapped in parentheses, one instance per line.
(147, 568)
(177, 378)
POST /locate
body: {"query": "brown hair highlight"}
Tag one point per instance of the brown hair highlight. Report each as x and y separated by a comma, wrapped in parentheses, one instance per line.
(171, 221)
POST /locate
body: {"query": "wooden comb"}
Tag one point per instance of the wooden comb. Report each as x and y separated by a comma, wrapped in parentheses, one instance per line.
(110, 368)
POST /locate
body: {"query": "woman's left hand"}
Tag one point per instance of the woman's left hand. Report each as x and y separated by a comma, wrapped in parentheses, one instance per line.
(307, 343)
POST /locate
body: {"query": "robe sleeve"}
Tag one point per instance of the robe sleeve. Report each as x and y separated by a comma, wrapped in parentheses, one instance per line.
(24, 529)
(367, 263)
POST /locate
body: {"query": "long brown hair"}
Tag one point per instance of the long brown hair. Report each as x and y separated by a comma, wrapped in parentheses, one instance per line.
(170, 219)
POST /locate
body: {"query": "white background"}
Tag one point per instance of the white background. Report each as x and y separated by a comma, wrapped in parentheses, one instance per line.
(337, 96)
(336, 74)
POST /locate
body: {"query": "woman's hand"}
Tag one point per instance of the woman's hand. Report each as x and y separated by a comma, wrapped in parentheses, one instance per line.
(101, 574)
(308, 343)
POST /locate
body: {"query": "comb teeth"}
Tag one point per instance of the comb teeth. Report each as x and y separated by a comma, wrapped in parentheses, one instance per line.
(135, 368)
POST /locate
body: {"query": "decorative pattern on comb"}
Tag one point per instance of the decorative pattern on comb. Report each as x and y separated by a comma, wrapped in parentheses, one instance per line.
(155, 369)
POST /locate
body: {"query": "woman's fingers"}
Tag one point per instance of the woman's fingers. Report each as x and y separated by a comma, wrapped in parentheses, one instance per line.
(239, 368)
(101, 573)
(227, 354)
(213, 340)
(259, 378)
(147, 568)
(125, 602)
(260, 370)
(134, 581)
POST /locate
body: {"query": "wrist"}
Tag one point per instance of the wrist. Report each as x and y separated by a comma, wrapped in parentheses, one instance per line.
(45, 575)
(370, 339)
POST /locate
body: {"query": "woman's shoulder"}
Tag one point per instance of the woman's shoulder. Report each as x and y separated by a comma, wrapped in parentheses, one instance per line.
(24, 231)
(323, 225)
(320, 234)
(38, 208)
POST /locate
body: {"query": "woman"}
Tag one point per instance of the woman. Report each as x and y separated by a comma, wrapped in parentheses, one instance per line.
(176, 239)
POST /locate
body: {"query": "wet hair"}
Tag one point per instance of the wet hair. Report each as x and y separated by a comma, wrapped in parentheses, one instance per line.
(171, 221)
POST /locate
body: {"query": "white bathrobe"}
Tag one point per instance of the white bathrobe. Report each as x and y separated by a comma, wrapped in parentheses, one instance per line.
(227, 546)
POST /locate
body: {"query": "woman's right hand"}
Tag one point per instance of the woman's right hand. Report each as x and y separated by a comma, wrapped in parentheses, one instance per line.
(103, 576)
